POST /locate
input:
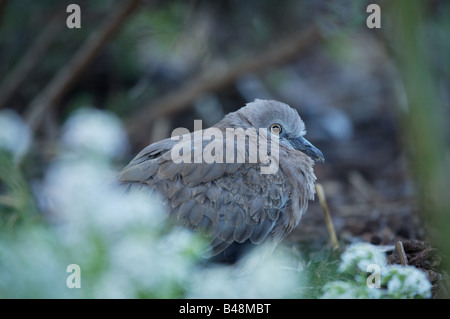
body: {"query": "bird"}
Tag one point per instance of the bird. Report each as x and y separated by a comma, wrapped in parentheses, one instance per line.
(233, 203)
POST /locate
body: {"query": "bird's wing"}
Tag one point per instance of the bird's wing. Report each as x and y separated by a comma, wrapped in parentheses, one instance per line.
(229, 202)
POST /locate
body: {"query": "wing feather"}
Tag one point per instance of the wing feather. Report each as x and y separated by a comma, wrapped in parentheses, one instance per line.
(228, 202)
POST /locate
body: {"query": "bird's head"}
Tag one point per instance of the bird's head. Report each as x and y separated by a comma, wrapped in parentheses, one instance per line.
(283, 120)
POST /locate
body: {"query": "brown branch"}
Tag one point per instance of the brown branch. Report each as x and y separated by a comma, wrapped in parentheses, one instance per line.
(3, 4)
(31, 58)
(401, 253)
(139, 125)
(69, 74)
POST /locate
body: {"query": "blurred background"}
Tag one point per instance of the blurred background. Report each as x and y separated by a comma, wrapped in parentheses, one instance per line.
(375, 101)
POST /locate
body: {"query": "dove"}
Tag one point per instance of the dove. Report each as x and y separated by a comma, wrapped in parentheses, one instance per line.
(231, 199)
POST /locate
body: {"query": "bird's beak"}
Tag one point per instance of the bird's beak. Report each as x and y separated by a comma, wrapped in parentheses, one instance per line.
(303, 145)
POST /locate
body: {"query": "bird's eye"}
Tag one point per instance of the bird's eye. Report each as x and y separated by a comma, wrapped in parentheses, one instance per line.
(276, 128)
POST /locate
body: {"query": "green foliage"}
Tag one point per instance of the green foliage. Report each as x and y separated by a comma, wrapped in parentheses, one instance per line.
(122, 243)
(320, 267)
(16, 203)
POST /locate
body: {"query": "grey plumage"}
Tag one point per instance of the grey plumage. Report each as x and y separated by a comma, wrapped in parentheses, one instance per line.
(233, 202)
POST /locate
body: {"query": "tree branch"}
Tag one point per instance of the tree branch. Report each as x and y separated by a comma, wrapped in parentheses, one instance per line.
(30, 59)
(69, 74)
(3, 4)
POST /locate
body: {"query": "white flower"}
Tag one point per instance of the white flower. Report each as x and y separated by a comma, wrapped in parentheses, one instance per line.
(15, 135)
(95, 131)
(84, 196)
(32, 266)
(407, 282)
(259, 275)
(395, 281)
(358, 257)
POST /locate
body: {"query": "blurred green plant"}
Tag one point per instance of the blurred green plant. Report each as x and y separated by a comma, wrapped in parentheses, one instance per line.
(123, 243)
(16, 202)
(424, 118)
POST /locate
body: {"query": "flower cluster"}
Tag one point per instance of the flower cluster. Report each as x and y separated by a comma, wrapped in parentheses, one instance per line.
(370, 277)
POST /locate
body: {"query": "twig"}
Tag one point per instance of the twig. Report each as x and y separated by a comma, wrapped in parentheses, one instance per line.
(326, 212)
(401, 253)
(69, 74)
(31, 58)
(139, 125)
